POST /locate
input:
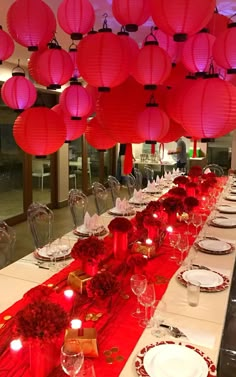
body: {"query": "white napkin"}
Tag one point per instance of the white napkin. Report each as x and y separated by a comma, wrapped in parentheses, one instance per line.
(151, 186)
(201, 338)
(122, 205)
(91, 222)
(207, 171)
(137, 196)
(157, 179)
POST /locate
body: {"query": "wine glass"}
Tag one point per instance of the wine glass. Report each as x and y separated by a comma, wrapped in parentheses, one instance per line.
(138, 284)
(174, 239)
(183, 246)
(72, 357)
(159, 318)
(147, 298)
(197, 221)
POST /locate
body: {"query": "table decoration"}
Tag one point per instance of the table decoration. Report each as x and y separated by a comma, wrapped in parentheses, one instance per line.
(214, 246)
(152, 223)
(181, 181)
(191, 189)
(78, 279)
(173, 358)
(177, 192)
(120, 227)
(226, 208)
(211, 281)
(190, 202)
(87, 339)
(195, 172)
(172, 206)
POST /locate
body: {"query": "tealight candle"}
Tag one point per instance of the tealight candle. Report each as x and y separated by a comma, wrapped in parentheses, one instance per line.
(68, 299)
(76, 324)
(169, 229)
(148, 242)
(16, 345)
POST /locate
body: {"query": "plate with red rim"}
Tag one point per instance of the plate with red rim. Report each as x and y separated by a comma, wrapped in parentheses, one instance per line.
(211, 281)
(117, 212)
(41, 254)
(214, 246)
(166, 359)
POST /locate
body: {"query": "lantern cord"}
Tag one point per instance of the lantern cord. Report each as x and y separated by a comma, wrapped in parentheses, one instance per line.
(231, 17)
(122, 29)
(54, 42)
(105, 26)
(73, 46)
(152, 100)
(152, 35)
(211, 68)
(18, 68)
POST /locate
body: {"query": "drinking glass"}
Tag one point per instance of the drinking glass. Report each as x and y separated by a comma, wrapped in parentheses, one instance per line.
(174, 239)
(72, 358)
(197, 221)
(183, 246)
(87, 369)
(147, 298)
(193, 292)
(138, 284)
(158, 317)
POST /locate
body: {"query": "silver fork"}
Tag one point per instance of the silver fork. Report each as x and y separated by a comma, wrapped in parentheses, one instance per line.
(174, 331)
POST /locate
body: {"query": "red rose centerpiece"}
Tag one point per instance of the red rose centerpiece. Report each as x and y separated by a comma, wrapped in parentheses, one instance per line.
(172, 205)
(177, 192)
(190, 202)
(194, 173)
(102, 287)
(181, 181)
(120, 227)
(152, 224)
(90, 251)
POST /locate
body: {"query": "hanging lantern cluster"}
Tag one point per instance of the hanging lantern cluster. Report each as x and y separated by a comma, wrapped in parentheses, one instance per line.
(224, 51)
(131, 13)
(76, 101)
(97, 136)
(6, 45)
(74, 128)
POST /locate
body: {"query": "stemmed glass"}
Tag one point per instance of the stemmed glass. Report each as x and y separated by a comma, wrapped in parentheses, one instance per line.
(72, 358)
(183, 246)
(174, 239)
(138, 284)
(147, 299)
(197, 221)
(158, 318)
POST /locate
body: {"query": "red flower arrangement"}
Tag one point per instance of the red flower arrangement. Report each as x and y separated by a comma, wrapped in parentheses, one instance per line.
(181, 180)
(195, 171)
(42, 320)
(177, 192)
(150, 220)
(153, 206)
(120, 224)
(140, 216)
(209, 175)
(90, 248)
(102, 285)
(136, 261)
(191, 185)
(190, 202)
(172, 205)
(41, 292)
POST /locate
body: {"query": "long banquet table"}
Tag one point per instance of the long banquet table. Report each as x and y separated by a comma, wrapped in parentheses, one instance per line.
(203, 324)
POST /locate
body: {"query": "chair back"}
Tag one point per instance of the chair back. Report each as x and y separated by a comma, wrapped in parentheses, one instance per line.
(214, 168)
(114, 186)
(139, 179)
(78, 203)
(7, 243)
(131, 184)
(100, 196)
(148, 173)
(40, 219)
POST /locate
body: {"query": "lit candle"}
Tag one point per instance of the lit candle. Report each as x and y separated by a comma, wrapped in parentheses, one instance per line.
(16, 348)
(148, 241)
(76, 324)
(155, 216)
(169, 229)
(149, 246)
(69, 296)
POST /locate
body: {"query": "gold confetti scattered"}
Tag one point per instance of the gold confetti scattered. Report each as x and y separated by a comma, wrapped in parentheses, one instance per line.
(99, 315)
(1, 325)
(95, 318)
(114, 349)
(50, 285)
(89, 316)
(119, 358)
(161, 279)
(107, 352)
(109, 360)
(7, 317)
(125, 296)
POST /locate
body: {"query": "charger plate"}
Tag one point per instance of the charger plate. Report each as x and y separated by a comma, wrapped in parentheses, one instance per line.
(82, 231)
(222, 222)
(231, 198)
(227, 209)
(214, 246)
(211, 281)
(173, 359)
(42, 254)
(116, 212)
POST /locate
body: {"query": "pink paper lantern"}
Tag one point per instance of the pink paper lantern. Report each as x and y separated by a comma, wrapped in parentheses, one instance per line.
(6, 45)
(18, 92)
(166, 42)
(76, 17)
(31, 23)
(181, 18)
(131, 13)
(197, 52)
(33, 67)
(97, 136)
(76, 101)
(102, 60)
(224, 51)
(39, 131)
(217, 24)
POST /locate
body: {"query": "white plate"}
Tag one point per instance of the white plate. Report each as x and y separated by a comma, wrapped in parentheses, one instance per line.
(214, 245)
(118, 212)
(206, 278)
(173, 360)
(59, 251)
(231, 197)
(233, 191)
(84, 231)
(225, 223)
(227, 209)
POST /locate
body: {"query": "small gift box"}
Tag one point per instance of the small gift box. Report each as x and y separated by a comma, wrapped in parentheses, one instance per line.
(87, 339)
(77, 280)
(145, 249)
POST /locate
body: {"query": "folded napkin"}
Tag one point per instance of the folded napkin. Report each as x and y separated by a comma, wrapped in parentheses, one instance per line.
(201, 338)
(137, 196)
(207, 171)
(122, 205)
(157, 179)
(151, 186)
(92, 222)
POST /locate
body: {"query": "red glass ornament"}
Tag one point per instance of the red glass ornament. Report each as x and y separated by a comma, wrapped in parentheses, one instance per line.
(76, 17)
(6, 45)
(39, 131)
(152, 65)
(181, 18)
(18, 92)
(97, 137)
(217, 24)
(75, 100)
(102, 60)
(224, 51)
(31, 23)
(209, 108)
(54, 67)
(131, 13)
(197, 52)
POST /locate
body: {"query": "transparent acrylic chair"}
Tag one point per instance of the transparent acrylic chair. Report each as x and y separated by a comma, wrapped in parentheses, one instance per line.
(148, 173)
(130, 182)
(100, 196)
(78, 203)
(114, 186)
(214, 168)
(7, 243)
(138, 178)
(40, 219)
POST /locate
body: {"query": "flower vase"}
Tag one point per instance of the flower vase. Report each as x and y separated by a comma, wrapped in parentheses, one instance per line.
(120, 244)
(90, 267)
(191, 191)
(172, 218)
(152, 231)
(44, 357)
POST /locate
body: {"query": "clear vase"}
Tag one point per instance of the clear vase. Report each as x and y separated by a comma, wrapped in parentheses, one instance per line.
(90, 267)
(172, 218)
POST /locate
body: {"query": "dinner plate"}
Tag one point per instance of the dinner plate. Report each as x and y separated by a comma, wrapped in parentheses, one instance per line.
(233, 191)
(117, 212)
(206, 278)
(227, 209)
(173, 359)
(231, 197)
(211, 281)
(43, 253)
(152, 191)
(214, 246)
(82, 231)
(223, 222)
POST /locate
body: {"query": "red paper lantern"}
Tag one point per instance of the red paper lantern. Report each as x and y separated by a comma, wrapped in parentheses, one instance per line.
(73, 55)
(132, 47)
(39, 131)
(76, 17)
(152, 65)
(18, 92)
(31, 23)
(224, 51)
(6, 45)
(174, 133)
(181, 18)
(34, 68)
(76, 101)
(94, 96)
(74, 128)
(209, 108)
(177, 75)
(54, 67)
(217, 24)
(152, 123)
(131, 13)
(166, 42)
(97, 136)
(102, 60)
(197, 52)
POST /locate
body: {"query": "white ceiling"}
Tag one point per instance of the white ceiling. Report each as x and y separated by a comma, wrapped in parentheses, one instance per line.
(227, 7)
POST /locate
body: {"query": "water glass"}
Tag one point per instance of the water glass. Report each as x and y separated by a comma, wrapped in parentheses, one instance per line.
(158, 317)
(183, 246)
(87, 369)
(174, 238)
(138, 283)
(193, 292)
(72, 358)
(147, 298)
